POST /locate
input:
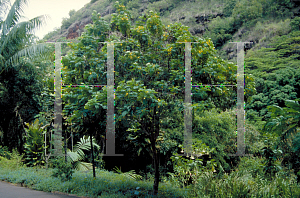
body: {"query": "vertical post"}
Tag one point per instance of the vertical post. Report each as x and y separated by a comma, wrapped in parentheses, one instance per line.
(188, 101)
(57, 136)
(110, 129)
(72, 136)
(240, 101)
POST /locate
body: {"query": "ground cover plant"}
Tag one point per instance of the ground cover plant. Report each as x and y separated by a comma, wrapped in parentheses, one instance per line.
(107, 184)
(246, 181)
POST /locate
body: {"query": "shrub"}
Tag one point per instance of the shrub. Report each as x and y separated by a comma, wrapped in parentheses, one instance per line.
(295, 24)
(63, 170)
(4, 152)
(13, 163)
(247, 11)
(34, 146)
(228, 7)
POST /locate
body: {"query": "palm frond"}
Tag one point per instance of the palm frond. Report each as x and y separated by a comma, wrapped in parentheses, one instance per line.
(294, 105)
(13, 15)
(30, 52)
(82, 166)
(75, 156)
(130, 174)
(83, 144)
(3, 7)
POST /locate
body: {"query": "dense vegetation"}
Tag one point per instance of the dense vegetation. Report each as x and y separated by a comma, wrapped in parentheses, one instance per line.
(149, 103)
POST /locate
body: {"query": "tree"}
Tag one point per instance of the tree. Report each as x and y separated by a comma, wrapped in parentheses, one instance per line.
(149, 66)
(19, 79)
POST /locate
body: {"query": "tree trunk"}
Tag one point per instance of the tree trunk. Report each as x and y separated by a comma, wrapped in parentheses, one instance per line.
(93, 160)
(66, 146)
(156, 168)
(6, 130)
(154, 135)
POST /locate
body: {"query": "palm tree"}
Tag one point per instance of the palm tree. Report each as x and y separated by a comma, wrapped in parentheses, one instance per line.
(16, 37)
(16, 46)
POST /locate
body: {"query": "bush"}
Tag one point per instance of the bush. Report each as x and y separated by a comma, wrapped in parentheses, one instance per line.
(13, 163)
(34, 146)
(63, 170)
(229, 6)
(295, 24)
(247, 11)
(4, 152)
(220, 30)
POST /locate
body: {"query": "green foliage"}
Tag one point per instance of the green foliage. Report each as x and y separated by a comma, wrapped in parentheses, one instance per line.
(142, 76)
(254, 165)
(4, 152)
(108, 184)
(154, 24)
(285, 123)
(20, 82)
(276, 87)
(13, 163)
(295, 24)
(246, 12)
(228, 7)
(187, 171)
(217, 130)
(130, 174)
(99, 28)
(121, 20)
(63, 170)
(77, 156)
(270, 155)
(220, 30)
(72, 12)
(66, 23)
(276, 72)
(34, 146)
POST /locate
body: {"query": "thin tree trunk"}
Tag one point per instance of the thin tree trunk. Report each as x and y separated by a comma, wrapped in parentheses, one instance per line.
(156, 168)
(66, 146)
(155, 154)
(93, 161)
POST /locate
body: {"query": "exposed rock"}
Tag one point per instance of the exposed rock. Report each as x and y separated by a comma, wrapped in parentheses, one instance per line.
(181, 18)
(198, 30)
(77, 28)
(204, 18)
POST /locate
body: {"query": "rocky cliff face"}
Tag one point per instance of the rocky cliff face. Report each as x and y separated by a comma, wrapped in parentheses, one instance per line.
(77, 28)
(203, 19)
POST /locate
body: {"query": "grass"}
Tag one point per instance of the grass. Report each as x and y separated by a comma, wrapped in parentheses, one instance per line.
(106, 184)
(246, 181)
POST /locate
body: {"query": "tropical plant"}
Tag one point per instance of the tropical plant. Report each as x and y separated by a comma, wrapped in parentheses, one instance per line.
(19, 80)
(77, 156)
(285, 123)
(130, 174)
(16, 36)
(63, 170)
(34, 146)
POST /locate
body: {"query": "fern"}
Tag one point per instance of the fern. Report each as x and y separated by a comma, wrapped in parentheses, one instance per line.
(77, 156)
